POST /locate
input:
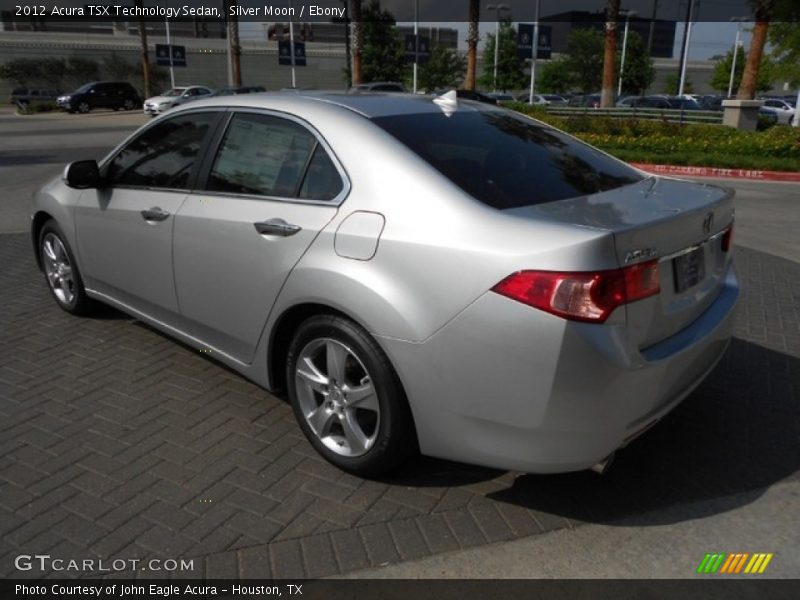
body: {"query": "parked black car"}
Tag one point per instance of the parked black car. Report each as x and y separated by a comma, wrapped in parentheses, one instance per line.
(711, 102)
(590, 100)
(680, 103)
(116, 95)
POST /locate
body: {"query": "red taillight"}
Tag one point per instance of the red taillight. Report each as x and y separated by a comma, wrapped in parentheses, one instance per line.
(582, 296)
(727, 239)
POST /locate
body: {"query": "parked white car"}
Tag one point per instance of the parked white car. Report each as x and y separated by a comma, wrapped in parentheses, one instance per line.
(782, 109)
(544, 99)
(175, 97)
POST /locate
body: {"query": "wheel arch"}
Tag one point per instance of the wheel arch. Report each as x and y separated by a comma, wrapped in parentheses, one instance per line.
(39, 219)
(283, 332)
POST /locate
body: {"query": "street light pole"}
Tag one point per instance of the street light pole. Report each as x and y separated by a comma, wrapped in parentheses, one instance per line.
(735, 52)
(169, 46)
(534, 52)
(496, 49)
(416, 41)
(291, 44)
(685, 54)
(498, 8)
(628, 15)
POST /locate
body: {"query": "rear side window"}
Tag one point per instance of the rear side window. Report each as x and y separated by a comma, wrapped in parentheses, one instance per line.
(162, 156)
(322, 180)
(505, 160)
(270, 156)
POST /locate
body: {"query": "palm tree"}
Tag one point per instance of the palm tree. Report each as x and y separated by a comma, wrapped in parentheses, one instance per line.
(763, 13)
(145, 55)
(610, 54)
(236, 49)
(472, 43)
(358, 41)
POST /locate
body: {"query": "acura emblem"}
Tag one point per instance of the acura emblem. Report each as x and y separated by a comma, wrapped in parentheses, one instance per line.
(708, 223)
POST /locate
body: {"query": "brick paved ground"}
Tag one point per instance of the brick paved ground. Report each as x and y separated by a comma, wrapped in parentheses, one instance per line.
(118, 442)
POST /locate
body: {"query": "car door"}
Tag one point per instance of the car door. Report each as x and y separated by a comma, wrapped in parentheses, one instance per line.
(124, 228)
(266, 193)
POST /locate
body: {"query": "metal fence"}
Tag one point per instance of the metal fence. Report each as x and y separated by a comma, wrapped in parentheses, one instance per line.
(657, 114)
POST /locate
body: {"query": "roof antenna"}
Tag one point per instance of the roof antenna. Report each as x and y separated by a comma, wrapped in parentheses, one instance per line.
(448, 102)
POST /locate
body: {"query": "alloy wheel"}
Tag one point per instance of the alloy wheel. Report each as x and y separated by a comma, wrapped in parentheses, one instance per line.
(337, 397)
(58, 269)
(83, 107)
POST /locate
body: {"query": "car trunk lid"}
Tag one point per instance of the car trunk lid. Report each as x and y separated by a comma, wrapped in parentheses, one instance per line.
(679, 223)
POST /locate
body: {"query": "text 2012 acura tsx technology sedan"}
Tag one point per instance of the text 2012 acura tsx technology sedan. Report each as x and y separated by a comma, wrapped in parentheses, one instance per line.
(417, 273)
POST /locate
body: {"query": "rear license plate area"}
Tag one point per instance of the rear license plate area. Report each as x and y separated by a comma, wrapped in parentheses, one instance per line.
(689, 269)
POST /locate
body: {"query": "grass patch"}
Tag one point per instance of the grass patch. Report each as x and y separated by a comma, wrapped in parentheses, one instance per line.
(758, 163)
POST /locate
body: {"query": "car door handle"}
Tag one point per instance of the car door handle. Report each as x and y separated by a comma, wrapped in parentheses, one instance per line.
(154, 214)
(277, 227)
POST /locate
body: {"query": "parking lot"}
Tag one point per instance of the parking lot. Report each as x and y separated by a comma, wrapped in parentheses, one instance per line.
(118, 442)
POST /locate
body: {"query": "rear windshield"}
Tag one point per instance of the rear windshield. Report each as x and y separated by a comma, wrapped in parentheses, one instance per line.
(505, 160)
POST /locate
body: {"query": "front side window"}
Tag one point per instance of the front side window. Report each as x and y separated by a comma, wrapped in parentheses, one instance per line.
(505, 160)
(270, 156)
(163, 155)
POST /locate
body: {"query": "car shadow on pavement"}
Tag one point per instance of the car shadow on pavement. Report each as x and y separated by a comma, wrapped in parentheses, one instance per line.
(738, 433)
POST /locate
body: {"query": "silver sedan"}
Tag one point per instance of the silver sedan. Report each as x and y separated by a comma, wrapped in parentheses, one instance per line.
(416, 273)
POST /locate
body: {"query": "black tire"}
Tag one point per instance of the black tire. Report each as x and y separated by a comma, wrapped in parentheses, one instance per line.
(79, 303)
(128, 104)
(394, 436)
(84, 107)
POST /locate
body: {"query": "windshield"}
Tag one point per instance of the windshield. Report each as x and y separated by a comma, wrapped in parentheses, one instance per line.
(84, 88)
(507, 160)
(174, 92)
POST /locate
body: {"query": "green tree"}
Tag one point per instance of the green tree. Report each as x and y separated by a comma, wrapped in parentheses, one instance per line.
(585, 58)
(21, 71)
(722, 72)
(383, 54)
(554, 77)
(639, 71)
(671, 82)
(510, 72)
(784, 37)
(116, 67)
(81, 70)
(444, 69)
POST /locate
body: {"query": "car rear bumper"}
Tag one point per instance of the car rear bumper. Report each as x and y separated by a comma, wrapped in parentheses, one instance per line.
(507, 386)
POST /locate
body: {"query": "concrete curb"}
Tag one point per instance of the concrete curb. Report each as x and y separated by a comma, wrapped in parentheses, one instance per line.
(718, 172)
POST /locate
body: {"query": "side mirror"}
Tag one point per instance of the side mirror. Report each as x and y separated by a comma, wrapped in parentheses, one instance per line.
(82, 174)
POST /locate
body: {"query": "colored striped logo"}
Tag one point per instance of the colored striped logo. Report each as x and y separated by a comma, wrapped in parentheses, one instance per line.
(738, 562)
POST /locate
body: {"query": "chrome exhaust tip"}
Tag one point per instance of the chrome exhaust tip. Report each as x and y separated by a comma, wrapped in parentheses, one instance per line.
(601, 467)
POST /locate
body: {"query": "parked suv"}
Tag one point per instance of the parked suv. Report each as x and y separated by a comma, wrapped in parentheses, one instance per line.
(101, 94)
(32, 95)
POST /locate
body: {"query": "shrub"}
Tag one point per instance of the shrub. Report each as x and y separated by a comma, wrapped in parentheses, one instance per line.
(695, 143)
